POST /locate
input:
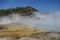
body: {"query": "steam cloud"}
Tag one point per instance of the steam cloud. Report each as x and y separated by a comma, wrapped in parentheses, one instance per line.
(49, 22)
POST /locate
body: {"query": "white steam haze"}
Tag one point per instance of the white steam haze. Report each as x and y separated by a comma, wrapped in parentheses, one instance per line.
(49, 22)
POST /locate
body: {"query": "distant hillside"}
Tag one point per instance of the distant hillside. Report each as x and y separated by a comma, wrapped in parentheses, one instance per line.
(25, 11)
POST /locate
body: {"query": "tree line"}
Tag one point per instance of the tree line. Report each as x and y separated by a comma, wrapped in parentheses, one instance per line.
(25, 11)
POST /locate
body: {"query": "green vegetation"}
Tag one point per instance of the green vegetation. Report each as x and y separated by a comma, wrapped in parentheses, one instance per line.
(25, 11)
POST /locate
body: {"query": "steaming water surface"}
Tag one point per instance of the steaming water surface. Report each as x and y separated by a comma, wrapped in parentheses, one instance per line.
(48, 22)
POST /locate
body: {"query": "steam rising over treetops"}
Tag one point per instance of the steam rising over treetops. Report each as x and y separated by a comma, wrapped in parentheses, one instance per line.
(25, 11)
(31, 17)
